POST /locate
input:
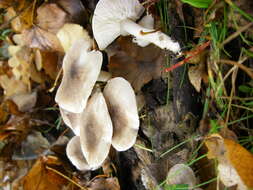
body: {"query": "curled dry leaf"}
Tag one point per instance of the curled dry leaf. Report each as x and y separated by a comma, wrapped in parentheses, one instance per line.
(235, 162)
(137, 65)
(195, 76)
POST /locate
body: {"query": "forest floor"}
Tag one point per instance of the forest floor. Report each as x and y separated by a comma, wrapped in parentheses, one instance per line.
(195, 108)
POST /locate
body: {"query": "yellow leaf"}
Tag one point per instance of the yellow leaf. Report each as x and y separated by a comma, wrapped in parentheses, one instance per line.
(235, 162)
(40, 178)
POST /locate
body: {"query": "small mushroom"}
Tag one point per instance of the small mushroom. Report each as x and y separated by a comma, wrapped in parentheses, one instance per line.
(121, 102)
(96, 130)
(181, 174)
(75, 155)
(113, 18)
(81, 68)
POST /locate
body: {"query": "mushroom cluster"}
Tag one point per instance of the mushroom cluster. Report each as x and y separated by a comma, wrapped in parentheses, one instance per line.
(99, 118)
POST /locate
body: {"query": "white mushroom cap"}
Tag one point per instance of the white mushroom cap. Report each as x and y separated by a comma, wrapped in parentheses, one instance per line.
(113, 18)
(96, 130)
(75, 155)
(80, 72)
(107, 16)
(181, 174)
(72, 120)
(121, 102)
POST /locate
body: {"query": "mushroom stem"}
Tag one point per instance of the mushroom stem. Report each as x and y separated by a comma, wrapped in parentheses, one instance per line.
(156, 37)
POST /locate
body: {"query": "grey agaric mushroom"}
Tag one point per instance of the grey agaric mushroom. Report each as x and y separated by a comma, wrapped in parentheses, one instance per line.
(81, 68)
(113, 18)
(96, 130)
(72, 120)
(75, 155)
(181, 174)
(121, 102)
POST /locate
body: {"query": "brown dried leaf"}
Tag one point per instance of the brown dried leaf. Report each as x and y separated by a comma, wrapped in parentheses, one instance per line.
(75, 10)
(136, 64)
(41, 178)
(195, 76)
(41, 39)
(231, 156)
(50, 17)
(105, 183)
(49, 62)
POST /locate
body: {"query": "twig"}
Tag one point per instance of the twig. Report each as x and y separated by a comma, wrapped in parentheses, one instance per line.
(241, 66)
(192, 54)
(56, 80)
(235, 34)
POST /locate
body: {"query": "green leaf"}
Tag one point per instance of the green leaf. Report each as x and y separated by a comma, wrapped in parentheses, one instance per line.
(176, 187)
(248, 103)
(245, 89)
(198, 3)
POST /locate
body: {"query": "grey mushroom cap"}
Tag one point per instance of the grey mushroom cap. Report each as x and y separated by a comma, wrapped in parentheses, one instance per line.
(81, 68)
(96, 130)
(72, 120)
(75, 155)
(181, 174)
(121, 102)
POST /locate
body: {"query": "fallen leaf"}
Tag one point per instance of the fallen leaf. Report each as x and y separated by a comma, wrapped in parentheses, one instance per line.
(75, 10)
(136, 64)
(41, 178)
(105, 183)
(21, 17)
(25, 101)
(22, 66)
(235, 162)
(49, 62)
(51, 17)
(70, 33)
(12, 86)
(195, 76)
(41, 39)
(8, 108)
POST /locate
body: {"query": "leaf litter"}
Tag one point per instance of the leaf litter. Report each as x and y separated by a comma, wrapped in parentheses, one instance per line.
(33, 139)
